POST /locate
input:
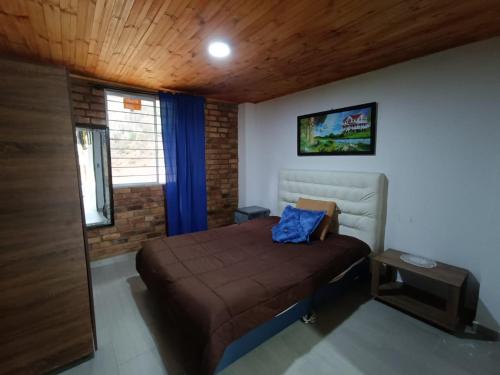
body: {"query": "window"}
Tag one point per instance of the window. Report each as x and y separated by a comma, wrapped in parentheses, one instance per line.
(93, 158)
(135, 138)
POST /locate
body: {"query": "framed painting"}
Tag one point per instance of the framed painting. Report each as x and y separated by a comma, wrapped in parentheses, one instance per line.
(344, 131)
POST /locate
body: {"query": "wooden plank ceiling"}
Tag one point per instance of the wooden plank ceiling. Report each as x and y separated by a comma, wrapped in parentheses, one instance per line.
(278, 46)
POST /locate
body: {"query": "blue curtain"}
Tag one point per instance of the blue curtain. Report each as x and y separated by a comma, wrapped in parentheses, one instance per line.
(183, 130)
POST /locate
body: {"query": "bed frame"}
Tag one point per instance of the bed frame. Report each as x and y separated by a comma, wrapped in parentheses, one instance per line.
(361, 199)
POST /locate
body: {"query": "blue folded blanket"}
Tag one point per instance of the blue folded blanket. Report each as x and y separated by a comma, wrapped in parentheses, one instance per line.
(296, 225)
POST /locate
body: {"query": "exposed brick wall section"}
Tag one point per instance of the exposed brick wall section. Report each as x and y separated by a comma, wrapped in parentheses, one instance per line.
(221, 129)
(140, 211)
(139, 215)
(88, 103)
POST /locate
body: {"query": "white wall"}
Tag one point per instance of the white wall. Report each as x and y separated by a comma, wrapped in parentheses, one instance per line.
(438, 142)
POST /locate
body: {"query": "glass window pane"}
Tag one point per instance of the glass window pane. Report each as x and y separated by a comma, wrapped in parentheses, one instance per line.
(135, 138)
(93, 160)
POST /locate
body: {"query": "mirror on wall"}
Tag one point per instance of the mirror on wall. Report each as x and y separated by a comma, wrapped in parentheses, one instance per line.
(95, 174)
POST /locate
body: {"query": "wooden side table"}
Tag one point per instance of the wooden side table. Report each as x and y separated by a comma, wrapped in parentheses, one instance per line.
(444, 312)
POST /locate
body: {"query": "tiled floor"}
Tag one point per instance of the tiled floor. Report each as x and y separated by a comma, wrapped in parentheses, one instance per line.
(356, 335)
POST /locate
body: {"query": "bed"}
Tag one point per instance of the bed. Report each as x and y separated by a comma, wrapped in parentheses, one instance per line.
(232, 288)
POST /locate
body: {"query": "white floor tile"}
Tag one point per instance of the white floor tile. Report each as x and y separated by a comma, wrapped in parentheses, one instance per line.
(354, 336)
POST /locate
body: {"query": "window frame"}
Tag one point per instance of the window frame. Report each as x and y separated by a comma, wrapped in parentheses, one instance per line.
(110, 175)
(143, 96)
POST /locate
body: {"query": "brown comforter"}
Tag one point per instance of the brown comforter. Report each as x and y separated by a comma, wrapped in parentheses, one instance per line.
(221, 283)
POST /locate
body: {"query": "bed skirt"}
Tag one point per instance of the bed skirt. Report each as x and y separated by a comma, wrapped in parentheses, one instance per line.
(324, 295)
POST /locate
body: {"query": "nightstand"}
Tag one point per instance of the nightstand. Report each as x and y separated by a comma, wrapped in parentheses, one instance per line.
(248, 213)
(443, 311)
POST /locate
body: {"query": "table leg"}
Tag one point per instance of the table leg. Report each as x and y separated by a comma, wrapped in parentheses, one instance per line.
(452, 306)
(375, 277)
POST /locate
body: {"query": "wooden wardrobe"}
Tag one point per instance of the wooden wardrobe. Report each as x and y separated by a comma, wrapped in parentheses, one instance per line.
(46, 318)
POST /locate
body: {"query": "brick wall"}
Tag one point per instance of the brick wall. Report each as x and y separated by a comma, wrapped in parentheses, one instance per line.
(221, 153)
(140, 211)
(88, 103)
(139, 215)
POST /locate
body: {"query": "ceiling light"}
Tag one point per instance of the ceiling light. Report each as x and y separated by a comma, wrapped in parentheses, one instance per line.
(219, 49)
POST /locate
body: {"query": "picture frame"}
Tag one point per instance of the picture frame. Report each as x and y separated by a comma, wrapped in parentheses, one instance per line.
(344, 131)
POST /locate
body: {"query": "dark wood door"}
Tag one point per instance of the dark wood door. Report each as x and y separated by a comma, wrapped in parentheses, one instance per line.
(45, 307)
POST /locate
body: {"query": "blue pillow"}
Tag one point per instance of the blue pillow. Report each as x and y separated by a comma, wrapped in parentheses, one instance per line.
(296, 225)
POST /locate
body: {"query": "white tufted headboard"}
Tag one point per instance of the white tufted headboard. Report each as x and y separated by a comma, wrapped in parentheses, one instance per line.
(361, 198)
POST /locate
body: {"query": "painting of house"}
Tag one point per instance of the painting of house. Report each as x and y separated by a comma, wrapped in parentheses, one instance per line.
(345, 131)
(355, 122)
